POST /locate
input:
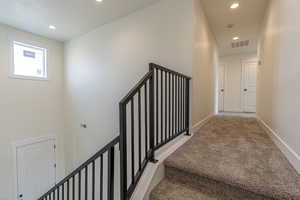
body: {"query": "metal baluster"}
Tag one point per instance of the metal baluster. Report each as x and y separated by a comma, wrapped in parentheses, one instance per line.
(161, 106)
(176, 105)
(93, 180)
(79, 185)
(63, 192)
(146, 121)
(151, 120)
(169, 125)
(140, 129)
(101, 177)
(180, 105)
(86, 183)
(173, 105)
(166, 106)
(111, 178)
(157, 133)
(68, 190)
(123, 155)
(73, 187)
(184, 109)
(187, 120)
(132, 142)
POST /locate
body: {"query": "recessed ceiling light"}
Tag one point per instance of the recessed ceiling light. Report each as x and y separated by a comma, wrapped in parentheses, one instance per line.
(236, 38)
(52, 27)
(234, 5)
(99, 0)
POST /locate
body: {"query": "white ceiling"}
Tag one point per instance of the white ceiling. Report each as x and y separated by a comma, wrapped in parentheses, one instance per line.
(71, 17)
(247, 20)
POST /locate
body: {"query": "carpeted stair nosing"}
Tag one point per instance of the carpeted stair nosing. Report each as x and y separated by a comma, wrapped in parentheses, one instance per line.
(229, 158)
(220, 187)
(170, 190)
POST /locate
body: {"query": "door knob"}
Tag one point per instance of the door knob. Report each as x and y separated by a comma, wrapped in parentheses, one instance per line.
(222, 90)
(245, 90)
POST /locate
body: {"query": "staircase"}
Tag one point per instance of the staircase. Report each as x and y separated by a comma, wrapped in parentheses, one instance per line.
(153, 113)
(230, 158)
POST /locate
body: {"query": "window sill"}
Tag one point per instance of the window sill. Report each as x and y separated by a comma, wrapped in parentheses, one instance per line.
(28, 78)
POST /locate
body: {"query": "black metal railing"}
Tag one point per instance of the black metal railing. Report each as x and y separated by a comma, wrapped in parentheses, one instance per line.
(82, 183)
(172, 102)
(163, 115)
(153, 113)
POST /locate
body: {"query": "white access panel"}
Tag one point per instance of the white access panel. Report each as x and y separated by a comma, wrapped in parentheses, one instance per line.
(36, 168)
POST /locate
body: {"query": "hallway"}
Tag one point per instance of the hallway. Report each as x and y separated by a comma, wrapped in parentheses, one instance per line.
(99, 100)
(228, 158)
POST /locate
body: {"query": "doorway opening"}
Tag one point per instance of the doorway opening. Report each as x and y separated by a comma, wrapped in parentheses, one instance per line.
(237, 84)
(236, 26)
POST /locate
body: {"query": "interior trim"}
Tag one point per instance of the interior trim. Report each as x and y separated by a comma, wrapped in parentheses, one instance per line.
(290, 154)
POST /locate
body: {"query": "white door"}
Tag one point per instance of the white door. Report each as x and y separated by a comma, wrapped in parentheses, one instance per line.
(221, 88)
(35, 169)
(249, 86)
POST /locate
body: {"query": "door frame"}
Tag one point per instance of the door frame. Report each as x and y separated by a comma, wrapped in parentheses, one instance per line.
(224, 86)
(243, 81)
(22, 143)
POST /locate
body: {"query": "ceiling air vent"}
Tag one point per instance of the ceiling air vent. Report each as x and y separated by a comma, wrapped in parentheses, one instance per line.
(240, 44)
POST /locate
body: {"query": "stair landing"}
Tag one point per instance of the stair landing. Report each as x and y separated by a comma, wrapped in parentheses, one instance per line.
(229, 158)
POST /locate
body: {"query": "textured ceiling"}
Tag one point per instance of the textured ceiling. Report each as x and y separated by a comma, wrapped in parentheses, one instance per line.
(246, 19)
(71, 17)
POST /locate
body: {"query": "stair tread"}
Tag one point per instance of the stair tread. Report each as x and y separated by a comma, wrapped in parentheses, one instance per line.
(238, 152)
(170, 190)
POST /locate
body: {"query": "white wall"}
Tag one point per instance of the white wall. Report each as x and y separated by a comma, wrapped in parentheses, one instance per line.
(29, 108)
(100, 68)
(233, 80)
(103, 65)
(205, 62)
(278, 103)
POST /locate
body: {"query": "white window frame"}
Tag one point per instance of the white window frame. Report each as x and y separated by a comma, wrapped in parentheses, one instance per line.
(12, 68)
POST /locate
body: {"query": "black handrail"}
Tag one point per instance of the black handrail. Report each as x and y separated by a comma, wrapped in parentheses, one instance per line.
(146, 84)
(166, 116)
(135, 89)
(153, 65)
(71, 177)
(153, 113)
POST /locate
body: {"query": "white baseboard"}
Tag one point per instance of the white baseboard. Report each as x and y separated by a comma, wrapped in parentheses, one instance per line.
(154, 173)
(290, 154)
(201, 123)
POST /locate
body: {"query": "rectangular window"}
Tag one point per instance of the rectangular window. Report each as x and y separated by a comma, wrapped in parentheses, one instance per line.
(29, 61)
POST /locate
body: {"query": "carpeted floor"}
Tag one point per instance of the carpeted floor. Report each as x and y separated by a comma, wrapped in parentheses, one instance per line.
(228, 158)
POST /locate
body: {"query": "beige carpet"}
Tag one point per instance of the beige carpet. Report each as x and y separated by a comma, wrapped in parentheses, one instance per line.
(229, 158)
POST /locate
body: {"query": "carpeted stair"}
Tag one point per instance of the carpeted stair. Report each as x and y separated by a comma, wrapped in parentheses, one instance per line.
(230, 158)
